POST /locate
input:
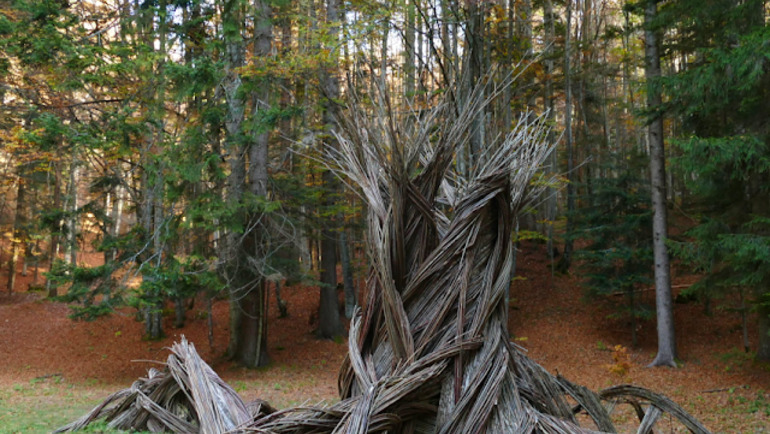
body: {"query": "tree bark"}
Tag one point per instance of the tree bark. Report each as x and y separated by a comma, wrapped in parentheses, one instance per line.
(329, 324)
(109, 206)
(53, 248)
(149, 218)
(71, 254)
(179, 312)
(248, 304)
(566, 259)
(663, 302)
(551, 162)
(305, 243)
(506, 67)
(409, 52)
(283, 306)
(155, 185)
(234, 52)
(475, 63)
(351, 298)
(19, 232)
(153, 222)
(117, 218)
(763, 348)
(258, 179)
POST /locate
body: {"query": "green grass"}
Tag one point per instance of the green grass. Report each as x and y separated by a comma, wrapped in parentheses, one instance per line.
(41, 416)
(43, 405)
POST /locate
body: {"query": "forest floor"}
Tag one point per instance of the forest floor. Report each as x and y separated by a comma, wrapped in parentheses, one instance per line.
(53, 369)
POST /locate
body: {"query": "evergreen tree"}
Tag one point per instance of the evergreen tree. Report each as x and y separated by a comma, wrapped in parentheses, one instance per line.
(721, 95)
(618, 258)
(655, 136)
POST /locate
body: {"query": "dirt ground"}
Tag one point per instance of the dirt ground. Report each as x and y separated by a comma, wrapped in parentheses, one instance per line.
(717, 382)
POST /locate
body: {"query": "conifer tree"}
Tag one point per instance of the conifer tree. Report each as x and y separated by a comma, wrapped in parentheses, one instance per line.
(663, 300)
(721, 97)
(618, 260)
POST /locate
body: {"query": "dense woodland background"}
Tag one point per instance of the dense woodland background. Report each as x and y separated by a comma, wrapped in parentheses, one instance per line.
(184, 140)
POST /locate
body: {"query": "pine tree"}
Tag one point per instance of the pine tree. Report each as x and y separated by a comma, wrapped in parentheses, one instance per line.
(721, 97)
(618, 258)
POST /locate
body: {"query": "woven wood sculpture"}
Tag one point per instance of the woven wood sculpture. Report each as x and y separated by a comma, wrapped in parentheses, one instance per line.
(430, 352)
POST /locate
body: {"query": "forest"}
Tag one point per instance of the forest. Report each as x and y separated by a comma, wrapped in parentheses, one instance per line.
(161, 158)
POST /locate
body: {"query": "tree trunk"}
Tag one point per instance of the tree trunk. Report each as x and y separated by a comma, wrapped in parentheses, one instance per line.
(71, 254)
(210, 320)
(117, 219)
(53, 248)
(550, 162)
(283, 306)
(114, 206)
(109, 206)
(763, 348)
(566, 259)
(475, 63)
(663, 302)
(251, 350)
(153, 221)
(383, 57)
(258, 178)
(179, 312)
(248, 302)
(155, 187)
(351, 298)
(525, 45)
(409, 49)
(305, 243)
(744, 320)
(19, 231)
(505, 68)
(329, 324)
(315, 253)
(234, 55)
(447, 40)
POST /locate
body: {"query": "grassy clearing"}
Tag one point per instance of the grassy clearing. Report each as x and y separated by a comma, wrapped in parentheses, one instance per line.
(42, 405)
(39, 406)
